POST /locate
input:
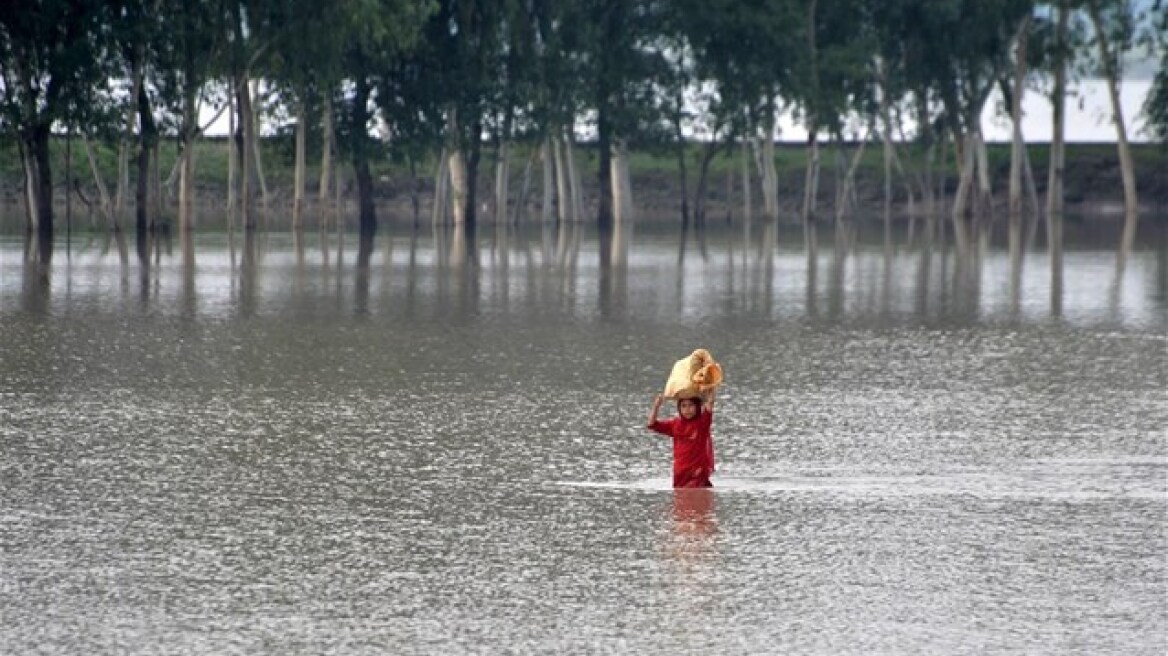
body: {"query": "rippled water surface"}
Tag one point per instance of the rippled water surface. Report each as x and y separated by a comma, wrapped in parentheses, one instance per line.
(253, 448)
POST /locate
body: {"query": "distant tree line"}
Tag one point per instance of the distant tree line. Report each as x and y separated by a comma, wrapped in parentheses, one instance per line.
(457, 79)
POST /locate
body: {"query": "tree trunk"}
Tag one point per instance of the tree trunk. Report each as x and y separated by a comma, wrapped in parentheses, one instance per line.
(41, 184)
(712, 149)
(1054, 185)
(326, 149)
(232, 160)
(458, 186)
(1018, 145)
(622, 187)
(367, 215)
(770, 179)
(502, 179)
(984, 192)
(547, 155)
(525, 188)
(257, 153)
(966, 161)
(472, 179)
(1127, 166)
(31, 187)
(683, 176)
(147, 137)
(441, 190)
(604, 173)
(843, 204)
(300, 164)
(243, 146)
(575, 184)
(186, 218)
(563, 200)
(747, 209)
(102, 191)
(811, 179)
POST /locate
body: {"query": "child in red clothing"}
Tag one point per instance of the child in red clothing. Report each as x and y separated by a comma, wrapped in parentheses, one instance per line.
(693, 445)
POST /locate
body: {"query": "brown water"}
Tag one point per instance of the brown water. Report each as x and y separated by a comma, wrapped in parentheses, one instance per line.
(255, 448)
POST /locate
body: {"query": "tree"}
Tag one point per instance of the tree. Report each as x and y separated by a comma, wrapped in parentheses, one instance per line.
(55, 60)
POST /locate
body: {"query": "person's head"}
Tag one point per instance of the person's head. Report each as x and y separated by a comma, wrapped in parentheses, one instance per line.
(689, 407)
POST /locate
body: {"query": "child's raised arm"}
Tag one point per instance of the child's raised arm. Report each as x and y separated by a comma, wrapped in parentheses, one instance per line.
(654, 410)
(708, 401)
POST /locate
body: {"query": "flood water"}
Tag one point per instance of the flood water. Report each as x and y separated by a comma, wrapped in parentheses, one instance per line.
(268, 446)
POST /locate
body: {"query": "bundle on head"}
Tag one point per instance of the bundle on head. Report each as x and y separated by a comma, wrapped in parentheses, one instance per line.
(693, 376)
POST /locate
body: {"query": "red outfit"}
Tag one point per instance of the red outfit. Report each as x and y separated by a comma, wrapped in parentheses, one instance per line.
(693, 448)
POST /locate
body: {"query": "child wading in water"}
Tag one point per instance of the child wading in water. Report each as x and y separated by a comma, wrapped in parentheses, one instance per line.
(693, 445)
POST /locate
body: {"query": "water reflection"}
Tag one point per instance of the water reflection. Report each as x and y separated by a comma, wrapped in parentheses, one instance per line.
(928, 270)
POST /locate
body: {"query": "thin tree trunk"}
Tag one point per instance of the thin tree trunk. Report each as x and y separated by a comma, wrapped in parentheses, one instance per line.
(186, 217)
(326, 149)
(547, 157)
(232, 159)
(770, 179)
(148, 136)
(502, 178)
(811, 179)
(37, 145)
(575, 187)
(257, 152)
(985, 193)
(31, 187)
(102, 191)
(747, 209)
(1018, 145)
(525, 188)
(562, 196)
(69, 180)
(300, 165)
(458, 186)
(1054, 185)
(683, 175)
(244, 148)
(966, 159)
(843, 204)
(1126, 165)
(711, 150)
(441, 190)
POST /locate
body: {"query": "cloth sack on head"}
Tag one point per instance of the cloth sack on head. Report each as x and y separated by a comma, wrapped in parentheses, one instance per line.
(692, 376)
